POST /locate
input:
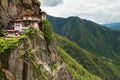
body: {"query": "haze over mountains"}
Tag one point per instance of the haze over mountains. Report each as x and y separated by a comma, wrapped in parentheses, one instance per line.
(113, 26)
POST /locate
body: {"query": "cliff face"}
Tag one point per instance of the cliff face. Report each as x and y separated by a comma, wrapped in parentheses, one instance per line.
(33, 59)
(30, 57)
(11, 8)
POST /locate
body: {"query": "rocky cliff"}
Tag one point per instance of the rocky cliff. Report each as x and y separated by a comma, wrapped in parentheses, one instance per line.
(28, 57)
(10, 8)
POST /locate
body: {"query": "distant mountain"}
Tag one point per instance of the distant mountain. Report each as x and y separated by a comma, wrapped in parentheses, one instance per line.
(93, 37)
(92, 45)
(113, 26)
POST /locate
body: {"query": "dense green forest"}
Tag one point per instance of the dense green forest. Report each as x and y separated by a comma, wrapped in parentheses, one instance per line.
(100, 66)
(77, 71)
(93, 37)
(94, 46)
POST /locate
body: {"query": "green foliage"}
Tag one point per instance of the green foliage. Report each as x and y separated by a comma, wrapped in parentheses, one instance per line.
(53, 65)
(9, 44)
(76, 70)
(36, 1)
(31, 33)
(6, 45)
(103, 68)
(1, 32)
(93, 37)
(47, 31)
(29, 55)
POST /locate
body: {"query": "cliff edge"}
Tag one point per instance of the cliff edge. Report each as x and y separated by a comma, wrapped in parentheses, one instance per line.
(33, 55)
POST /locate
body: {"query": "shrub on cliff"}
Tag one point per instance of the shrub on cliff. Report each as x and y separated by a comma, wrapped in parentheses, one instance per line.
(47, 31)
(1, 26)
(1, 32)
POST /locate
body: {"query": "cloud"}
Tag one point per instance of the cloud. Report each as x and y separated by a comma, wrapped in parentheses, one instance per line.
(100, 11)
(51, 3)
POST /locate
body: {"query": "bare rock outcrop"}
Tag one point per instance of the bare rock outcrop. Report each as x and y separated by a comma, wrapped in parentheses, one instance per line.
(9, 75)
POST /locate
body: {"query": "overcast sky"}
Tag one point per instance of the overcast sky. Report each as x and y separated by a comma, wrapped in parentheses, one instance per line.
(100, 11)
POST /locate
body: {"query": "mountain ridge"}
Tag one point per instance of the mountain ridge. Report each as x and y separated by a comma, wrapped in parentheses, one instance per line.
(97, 39)
(33, 55)
(90, 62)
(86, 33)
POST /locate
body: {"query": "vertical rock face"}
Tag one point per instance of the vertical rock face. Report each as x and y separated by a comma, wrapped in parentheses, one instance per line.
(27, 67)
(17, 65)
(33, 59)
(11, 8)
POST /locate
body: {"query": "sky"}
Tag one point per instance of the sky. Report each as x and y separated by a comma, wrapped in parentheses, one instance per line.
(99, 11)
